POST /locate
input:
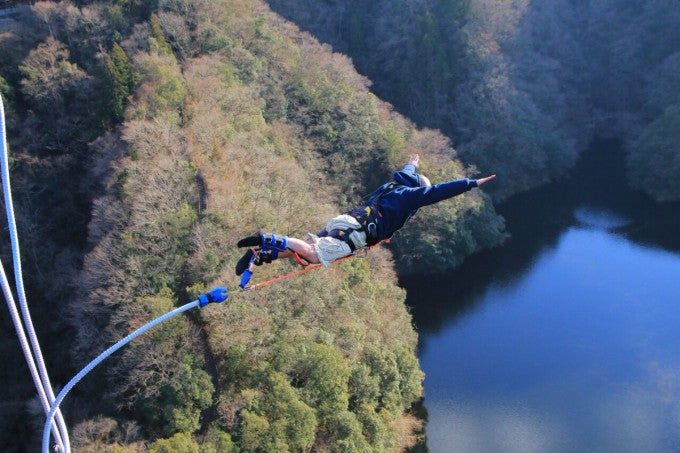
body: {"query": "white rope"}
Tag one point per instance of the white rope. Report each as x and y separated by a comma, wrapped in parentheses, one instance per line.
(24, 345)
(100, 358)
(40, 376)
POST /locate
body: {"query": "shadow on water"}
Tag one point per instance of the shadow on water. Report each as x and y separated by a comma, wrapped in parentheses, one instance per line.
(535, 221)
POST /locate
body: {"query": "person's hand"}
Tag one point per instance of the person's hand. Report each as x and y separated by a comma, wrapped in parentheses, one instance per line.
(484, 180)
(414, 160)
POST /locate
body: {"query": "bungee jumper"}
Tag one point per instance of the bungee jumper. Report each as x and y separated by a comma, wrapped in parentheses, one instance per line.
(376, 219)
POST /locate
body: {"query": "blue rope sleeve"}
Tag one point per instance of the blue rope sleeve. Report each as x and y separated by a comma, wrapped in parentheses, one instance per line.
(217, 295)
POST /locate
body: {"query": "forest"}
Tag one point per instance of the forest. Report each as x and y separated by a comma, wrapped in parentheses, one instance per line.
(522, 88)
(146, 138)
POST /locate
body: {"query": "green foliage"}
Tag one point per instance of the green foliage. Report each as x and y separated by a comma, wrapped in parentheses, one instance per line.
(118, 81)
(180, 442)
(247, 65)
(347, 433)
(410, 376)
(383, 365)
(281, 421)
(325, 374)
(261, 31)
(417, 73)
(120, 184)
(162, 85)
(159, 36)
(178, 224)
(157, 305)
(214, 39)
(7, 93)
(364, 387)
(228, 76)
(181, 400)
(170, 235)
(373, 426)
(218, 441)
(654, 162)
(255, 432)
(5, 88)
(292, 418)
(315, 392)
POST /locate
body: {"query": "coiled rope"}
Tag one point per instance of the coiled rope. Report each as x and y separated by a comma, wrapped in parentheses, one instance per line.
(33, 353)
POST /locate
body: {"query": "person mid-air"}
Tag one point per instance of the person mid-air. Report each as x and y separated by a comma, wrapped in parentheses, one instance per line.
(381, 214)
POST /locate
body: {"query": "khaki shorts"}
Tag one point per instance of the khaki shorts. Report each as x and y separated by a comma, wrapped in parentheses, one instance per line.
(329, 249)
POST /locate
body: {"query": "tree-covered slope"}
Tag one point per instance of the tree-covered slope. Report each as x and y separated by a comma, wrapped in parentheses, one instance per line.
(166, 132)
(520, 87)
(453, 64)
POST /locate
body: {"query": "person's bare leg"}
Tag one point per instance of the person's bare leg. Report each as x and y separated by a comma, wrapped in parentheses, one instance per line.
(302, 248)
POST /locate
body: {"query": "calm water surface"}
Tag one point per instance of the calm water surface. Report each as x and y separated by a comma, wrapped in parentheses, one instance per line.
(565, 339)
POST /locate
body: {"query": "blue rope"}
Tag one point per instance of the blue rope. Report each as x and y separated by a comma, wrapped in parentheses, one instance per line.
(216, 295)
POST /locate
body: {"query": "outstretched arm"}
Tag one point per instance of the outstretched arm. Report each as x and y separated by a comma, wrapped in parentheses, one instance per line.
(414, 160)
(407, 175)
(422, 196)
(484, 180)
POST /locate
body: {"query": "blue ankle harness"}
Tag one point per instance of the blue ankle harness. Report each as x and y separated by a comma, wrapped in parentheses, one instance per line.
(270, 246)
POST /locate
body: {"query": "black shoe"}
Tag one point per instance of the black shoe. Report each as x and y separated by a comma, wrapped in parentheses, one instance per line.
(253, 240)
(243, 263)
(261, 258)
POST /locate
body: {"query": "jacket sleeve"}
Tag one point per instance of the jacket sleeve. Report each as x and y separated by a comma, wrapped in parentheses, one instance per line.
(407, 176)
(416, 197)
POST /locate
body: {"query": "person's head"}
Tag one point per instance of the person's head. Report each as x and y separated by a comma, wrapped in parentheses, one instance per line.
(424, 181)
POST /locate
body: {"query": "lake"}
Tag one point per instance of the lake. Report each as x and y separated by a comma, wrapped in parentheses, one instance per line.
(567, 337)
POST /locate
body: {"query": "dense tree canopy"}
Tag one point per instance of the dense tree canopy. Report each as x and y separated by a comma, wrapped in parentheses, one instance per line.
(520, 87)
(147, 137)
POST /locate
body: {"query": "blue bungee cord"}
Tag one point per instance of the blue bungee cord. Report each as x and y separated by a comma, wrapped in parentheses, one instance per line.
(33, 354)
(217, 295)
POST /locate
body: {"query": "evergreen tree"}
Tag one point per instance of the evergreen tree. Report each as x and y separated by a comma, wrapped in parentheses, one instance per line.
(118, 78)
(158, 34)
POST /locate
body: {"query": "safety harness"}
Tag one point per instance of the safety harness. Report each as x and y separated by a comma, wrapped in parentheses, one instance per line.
(367, 215)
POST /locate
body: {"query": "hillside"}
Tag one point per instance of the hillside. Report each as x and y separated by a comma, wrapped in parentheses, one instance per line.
(146, 140)
(522, 88)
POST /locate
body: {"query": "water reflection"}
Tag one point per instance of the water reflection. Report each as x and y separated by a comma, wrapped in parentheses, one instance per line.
(565, 338)
(588, 216)
(579, 354)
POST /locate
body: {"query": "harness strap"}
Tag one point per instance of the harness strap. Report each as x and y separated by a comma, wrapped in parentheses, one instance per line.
(344, 236)
(368, 215)
(300, 260)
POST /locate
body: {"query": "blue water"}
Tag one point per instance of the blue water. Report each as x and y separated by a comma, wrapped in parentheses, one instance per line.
(567, 339)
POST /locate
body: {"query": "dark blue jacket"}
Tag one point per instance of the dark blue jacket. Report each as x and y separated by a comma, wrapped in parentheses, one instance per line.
(400, 203)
